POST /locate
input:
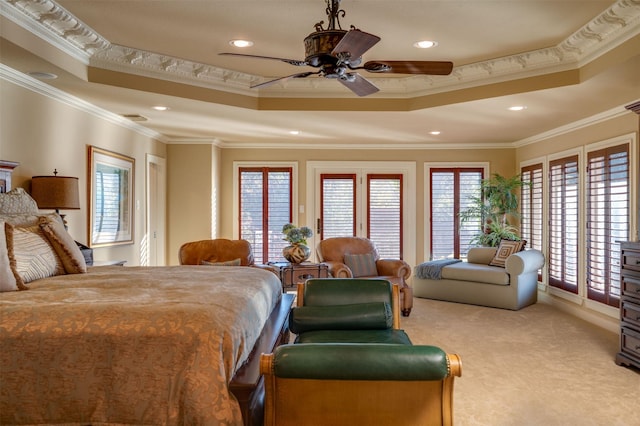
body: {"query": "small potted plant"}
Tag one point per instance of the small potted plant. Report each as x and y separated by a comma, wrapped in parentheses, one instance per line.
(297, 251)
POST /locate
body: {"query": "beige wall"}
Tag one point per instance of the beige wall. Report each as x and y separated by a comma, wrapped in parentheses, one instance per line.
(44, 134)
(192, 210)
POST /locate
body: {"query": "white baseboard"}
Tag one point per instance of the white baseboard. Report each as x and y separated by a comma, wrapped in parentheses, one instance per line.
(596, 318)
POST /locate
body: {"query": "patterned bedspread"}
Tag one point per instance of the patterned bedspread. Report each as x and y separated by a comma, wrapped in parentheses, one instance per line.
(131, 345)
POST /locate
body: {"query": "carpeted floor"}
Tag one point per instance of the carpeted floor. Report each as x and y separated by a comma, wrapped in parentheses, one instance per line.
(536, 366)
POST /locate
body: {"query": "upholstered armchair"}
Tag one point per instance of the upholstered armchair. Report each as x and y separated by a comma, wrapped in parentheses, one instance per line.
(220, 251)
(356, 257)
(359, 384)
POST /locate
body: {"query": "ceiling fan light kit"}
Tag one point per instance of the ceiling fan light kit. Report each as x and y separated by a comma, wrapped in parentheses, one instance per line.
(338, 53)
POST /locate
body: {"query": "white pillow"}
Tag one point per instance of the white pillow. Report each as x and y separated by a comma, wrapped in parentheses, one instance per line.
(31, 255)
(17, 201)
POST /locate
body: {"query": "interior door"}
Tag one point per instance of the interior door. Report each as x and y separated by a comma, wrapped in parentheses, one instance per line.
(156, 190)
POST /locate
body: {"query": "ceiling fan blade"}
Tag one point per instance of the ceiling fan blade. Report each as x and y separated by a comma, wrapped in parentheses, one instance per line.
(359, 85)
(288, 61)
(270, 82)
(410, 67)
(355, 42)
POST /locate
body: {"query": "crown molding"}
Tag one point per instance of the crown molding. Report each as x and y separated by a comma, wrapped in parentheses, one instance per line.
(576, 125)
(614, 26)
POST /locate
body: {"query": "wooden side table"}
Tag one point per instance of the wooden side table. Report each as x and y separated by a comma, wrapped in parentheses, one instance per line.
(293, 273)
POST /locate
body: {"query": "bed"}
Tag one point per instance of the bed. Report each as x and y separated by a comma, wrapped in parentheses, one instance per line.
(175, 345)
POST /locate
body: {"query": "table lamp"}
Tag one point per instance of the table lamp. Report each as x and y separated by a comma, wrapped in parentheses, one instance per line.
(56, 192)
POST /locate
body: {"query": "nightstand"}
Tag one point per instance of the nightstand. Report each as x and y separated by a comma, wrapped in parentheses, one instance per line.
(293, 273)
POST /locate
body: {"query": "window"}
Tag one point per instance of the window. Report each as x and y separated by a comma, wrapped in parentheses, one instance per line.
(452, 191)
(531, 206)
(607, 221)
(563, 223)
(265, 207)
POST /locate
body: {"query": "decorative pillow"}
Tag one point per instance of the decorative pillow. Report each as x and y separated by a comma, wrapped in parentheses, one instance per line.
(7, 280)
(64, 245)
(27, 219)
(31, 255)
(234, 262)
(17, 201)
(361, 265)
(506, 249)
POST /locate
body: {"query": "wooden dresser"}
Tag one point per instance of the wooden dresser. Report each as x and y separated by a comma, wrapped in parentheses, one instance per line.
(629, 354)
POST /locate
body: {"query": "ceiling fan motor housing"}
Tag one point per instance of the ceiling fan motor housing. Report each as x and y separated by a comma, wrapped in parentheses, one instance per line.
(319, 45)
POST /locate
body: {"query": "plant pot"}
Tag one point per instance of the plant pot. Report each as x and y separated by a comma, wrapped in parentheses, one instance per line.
(296, 253)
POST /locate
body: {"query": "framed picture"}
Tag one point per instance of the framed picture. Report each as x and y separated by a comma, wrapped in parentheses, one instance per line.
(111, 178)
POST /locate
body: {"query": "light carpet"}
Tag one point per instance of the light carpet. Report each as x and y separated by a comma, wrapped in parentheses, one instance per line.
(536, 366)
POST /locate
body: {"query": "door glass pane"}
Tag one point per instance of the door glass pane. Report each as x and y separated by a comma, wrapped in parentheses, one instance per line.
(385, 214)
(338, 206)
(563, 223)
(265, 207)
(452, 191)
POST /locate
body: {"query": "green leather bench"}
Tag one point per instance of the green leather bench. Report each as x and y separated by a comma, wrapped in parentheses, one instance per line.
(359, 384)
(347, 310)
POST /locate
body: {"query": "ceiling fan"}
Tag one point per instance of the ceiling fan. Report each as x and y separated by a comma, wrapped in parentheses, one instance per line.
(338, 52)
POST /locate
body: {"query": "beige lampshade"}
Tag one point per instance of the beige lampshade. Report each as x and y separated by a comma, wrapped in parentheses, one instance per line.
(55, 192)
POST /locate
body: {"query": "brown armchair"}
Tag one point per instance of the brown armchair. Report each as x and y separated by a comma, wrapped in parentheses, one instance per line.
(347, 257)
(219, 250)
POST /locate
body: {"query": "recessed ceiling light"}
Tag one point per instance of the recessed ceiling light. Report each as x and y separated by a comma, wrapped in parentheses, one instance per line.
(43, 75)
(425, 44)
(294, 132)
(241, 43)
(160, 108)
(435, 132)
(517, 108)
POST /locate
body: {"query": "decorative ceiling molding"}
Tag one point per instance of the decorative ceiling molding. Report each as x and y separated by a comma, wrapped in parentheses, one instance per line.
(614, 26)
(56, 25)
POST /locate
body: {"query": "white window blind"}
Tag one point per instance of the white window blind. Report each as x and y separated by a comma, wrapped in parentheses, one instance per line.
(607, 221)
(109, 217)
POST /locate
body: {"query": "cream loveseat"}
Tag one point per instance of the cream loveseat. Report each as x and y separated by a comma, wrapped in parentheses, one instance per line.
(476, 282)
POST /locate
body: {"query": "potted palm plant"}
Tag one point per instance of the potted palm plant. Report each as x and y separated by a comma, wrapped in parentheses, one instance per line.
(495, 207)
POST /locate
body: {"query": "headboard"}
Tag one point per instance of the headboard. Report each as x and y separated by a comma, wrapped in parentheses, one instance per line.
(6, 169)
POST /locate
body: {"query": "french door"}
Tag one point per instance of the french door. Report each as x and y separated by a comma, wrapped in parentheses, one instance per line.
(368, 201)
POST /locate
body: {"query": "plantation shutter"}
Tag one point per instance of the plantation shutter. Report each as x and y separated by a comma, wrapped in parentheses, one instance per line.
(265, 207)
(337, 199)
(451, 192)
(384, 223)
(107, 220)
(607, 221)
(531, 205)
(563, 223)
